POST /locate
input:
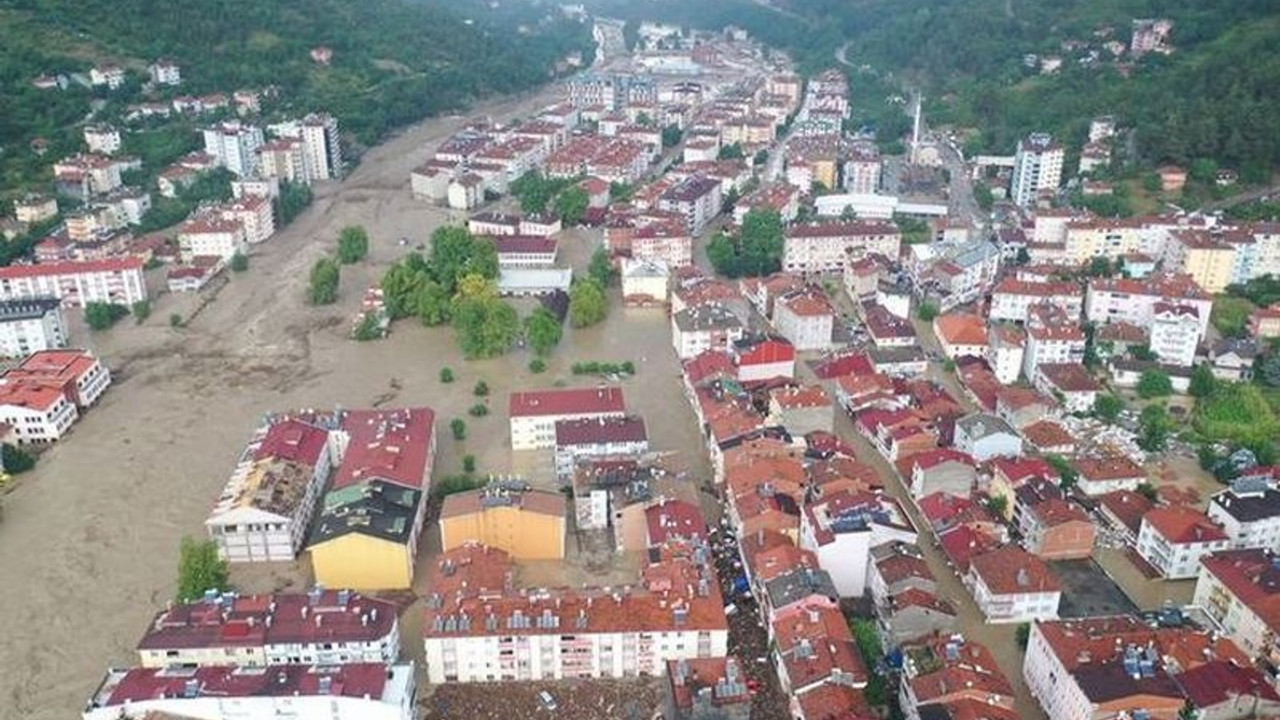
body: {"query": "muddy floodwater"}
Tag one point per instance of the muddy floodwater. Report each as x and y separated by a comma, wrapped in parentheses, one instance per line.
(88, 544)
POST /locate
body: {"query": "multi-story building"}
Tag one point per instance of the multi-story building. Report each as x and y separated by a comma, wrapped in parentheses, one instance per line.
(862, 170)
(1249, 513)
(1011, 298)
(212, 236)
(534, 414)
(1052, 527)
(1205, 256)
(614, 92)
(1240, 589)
(478, 628)
(831, 246)
(1071, 383)
(806, 318)
(1119, 666)
(165, 72)
(362, 691)
(1175, 333)
(525, 251)
(1052, 337)
(255, 215)
(644, 282)
(695, 198)
(842, 529)
(598, 437)
(74, 283)
(695, 330)
(32, 208)
(31, 324)
(234, 145)
(1006, 348)
(1134, 301)
(321, 146)
(1037, 168)
(983, 437)
(526, 524)
(1011, 585)
(707, 687)
(108, 74)
(816, 659)
(950, 677)
(102, 139)
(282, 159)
(366, 535)
(321, 627)
(264, 510)
(37, 413)
(1174, 538)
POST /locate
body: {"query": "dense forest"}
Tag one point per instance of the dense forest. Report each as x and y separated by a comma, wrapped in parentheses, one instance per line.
(1214, 97)
(394, 61)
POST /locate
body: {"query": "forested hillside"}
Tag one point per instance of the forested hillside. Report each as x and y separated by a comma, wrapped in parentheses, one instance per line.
(1214, 97)
(394, 61)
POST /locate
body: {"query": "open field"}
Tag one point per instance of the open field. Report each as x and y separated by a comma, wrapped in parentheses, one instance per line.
(88, 546)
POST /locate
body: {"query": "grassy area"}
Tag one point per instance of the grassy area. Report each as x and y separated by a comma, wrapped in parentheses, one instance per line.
(1230, 315)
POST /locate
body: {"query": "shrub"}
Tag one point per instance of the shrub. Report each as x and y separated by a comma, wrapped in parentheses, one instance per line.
(446, 375)
(141, 311)
(537, 366)
(239, 262)
(175, 320)
(478, 410)
(459, 429)
(101, 316)
(16, 460)
(481, 389)
(468, 463)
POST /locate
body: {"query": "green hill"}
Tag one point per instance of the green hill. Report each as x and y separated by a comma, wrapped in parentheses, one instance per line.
(394, 61)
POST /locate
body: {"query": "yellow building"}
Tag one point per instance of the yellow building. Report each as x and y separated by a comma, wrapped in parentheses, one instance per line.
(1205, 257)
(1111, 239)
(367, 537)
(527, 524)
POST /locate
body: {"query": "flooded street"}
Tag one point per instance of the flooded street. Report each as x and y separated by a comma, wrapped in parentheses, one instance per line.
(88, 545)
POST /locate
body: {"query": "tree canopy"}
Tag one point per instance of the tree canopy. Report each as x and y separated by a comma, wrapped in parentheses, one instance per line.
(323, 287)
(756, 251)
(200, 569)
(353, 244)
(588, 303)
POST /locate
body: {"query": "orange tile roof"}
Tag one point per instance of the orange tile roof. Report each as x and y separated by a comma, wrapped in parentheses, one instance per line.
(1182, 525)
(1012, 570)
(961, 329)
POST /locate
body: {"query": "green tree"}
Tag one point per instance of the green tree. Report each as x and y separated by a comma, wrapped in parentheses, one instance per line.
(367, 329)
(353, 244)
(671, 136)
(1154, 384)
(481, 389)
(761, 242)
(468, 463)
(446, 375)
(141, 310)
(927, 311)
(101, 316)
(998, 504)
(600, 268)
(1022, 635)
(620, 192)
(1203, 383)
(200, 569)
(239, 262)
(1154, 427)
(982, 194)
(1066, 471)
(455, 252)
(1148, 491)
(402, 286)
(323, 287)
(723, 255)
(537, 366)
(15, 460)
(571, 205)
(1101, 267)
(1107, 407)
(458, 427)
(1151, 183)
(478, 410)
(588, 303)
(542, 330)
(294, 198)
(485, 326)
(431, 303)
(731, 152)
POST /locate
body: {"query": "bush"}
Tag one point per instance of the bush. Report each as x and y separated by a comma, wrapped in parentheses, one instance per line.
(16, 461)
(368, 328)
(468, 463)
(1154, 384)
(481, 389)
(141, 311)
(927, 311)
(101, 316)
(478, 410)
(175, 320)
(353, 244)
(450, 484)
(446, 375)
(239, 262)
(323, 287)
(537, 366)
(459, 429)
(200, 569)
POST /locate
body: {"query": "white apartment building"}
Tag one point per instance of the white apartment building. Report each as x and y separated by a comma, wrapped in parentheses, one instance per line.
(1011, 298)
(1037, 167)
(1006, 348)
(1010, 585)
(165, 72)
(1174, 538)
(37, 412)
(1237, 588)
(644, 281)
(1051, 338)
(75, 283)
(323, 627)
(1249, 513)
(697, 198)
(1175, 333)
(697, 329)
(1108, 238)
(32, 324)
(807, 319)
(367, 691)
(102, 139)
(112, 76)
(862, 170)
(595, 437)
(264, 510)
(534, 414)
(254, 214)
(212, 236)
(283, 159)
(322, 148)
(235, 146)
(829, 247)
(841, 530)
(1133, 301)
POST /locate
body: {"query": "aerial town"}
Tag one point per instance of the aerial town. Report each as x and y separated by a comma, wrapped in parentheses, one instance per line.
(782, 425)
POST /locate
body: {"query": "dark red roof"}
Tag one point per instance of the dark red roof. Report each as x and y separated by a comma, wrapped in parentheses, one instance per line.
(390, 445)
(572, 401)
(294, 440)
(672, 519)
(354, 680)
(1219, 681)
(593, 431)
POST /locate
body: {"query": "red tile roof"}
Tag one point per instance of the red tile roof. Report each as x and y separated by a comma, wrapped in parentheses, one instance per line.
(1219, 681)
(1128, 507)
(1253, 577)
(961, 329)
(72, 267)
(294, 440)
(1012, 570)
(814, 641)
(572, 401)
(671, 519)
(1182, 525)
(390, 445)
(601, 430)
(355, 680)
